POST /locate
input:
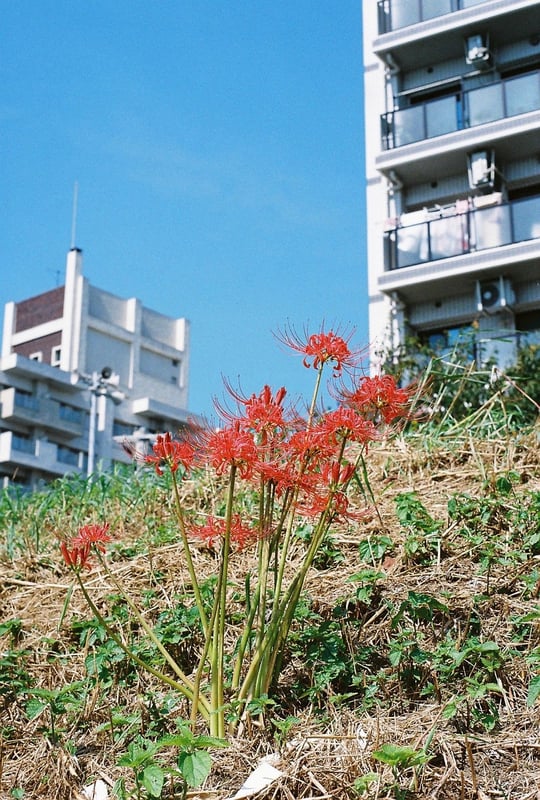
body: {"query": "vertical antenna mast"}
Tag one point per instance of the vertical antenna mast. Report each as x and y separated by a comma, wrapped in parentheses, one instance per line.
(74, 214)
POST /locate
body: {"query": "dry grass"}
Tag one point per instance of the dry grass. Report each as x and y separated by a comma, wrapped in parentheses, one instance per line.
(326, 750)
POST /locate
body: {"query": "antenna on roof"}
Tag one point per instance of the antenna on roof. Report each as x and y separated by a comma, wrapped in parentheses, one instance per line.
(74, 214)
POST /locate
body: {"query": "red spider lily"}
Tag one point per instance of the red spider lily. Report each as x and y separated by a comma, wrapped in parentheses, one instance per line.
(215, 528)
(336, 504)
(283, 474)
(265, 410)
(345, 423)
(379, 397)
(229, 447)
(171, 453)
(321, 348)
(92, 535)
(335, 474)
(308, 446)
(76, 556)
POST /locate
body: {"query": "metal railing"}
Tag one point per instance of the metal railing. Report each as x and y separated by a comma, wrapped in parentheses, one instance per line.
(444, 234)
(504, 98)
(395, 14)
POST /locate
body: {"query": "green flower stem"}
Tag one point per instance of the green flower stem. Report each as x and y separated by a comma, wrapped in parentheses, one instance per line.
(187, 552)
(147, 628)
(220, 600)
(259, 671)
(179, 687)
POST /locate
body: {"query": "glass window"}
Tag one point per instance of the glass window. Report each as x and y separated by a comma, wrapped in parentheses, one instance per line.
(405, 12)
(412, 245)
(23, 443)
(70, 413)
(435, 8)
(408, 125)
(441, 116)
(448, 236)
(492, 226)
(522, 94)
(485, 104)
(56, 355)
(526, 219)
(122, 428)
(67, 456)
(26, 400)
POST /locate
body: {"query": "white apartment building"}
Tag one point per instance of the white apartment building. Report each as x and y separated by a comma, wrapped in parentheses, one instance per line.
(452, 128)
(81, 371)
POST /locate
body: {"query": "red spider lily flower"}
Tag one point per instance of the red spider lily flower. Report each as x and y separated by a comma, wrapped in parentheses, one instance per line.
(335, 474)
(265, 410)
(78, 556)
(336, 504)
(171, 453)
(92, 535)
(262, 414)
(215, 528)
(379, 397)
(345, 423)
(308, 446)
(229, 447)
(323, 347)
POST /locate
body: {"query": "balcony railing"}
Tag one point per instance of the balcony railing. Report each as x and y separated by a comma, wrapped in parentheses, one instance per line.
(465, 228)
(394, 14)
(464, 109)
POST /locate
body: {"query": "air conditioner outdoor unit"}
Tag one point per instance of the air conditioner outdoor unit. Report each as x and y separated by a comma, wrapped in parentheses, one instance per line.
(494, 295)
(477, 49)
(481, 168)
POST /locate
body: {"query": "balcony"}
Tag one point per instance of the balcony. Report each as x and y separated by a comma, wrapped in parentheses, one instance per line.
(39, 454)
(467, 227)
(395, 14)
(421, 33)
(464, 109)
(43, 411)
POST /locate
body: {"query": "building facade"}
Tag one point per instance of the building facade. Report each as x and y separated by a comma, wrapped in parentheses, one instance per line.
(81, 371)
(452, 126)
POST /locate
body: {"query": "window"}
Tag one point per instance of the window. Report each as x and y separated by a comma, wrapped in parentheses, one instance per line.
(122, 429)
(23, 443)
(70, 413)
(37, 356)
(528, 325)
(56, 355)
(445, 341)
(66, 455)
(26, 400)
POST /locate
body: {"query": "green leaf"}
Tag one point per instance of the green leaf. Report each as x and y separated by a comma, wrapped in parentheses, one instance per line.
(34, 707)
(153, 779)
(363, 783)
(534, 691)
(400, 755)
(195, 767)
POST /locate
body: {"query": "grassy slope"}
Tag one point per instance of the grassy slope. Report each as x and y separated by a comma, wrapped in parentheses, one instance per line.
(443, 646)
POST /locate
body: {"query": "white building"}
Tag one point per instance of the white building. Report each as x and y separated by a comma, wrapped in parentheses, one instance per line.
(80, 371)
(452, 121)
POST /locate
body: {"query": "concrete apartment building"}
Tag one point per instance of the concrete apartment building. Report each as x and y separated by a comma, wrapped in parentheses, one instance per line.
(452, 125)
(81, 370)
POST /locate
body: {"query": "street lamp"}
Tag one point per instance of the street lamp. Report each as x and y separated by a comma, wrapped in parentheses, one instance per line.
(99, 385)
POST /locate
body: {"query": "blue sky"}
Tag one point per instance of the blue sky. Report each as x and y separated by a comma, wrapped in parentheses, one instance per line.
(218, 150)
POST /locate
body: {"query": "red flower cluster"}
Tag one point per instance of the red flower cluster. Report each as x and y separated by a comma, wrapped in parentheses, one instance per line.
(267, 442)
(171, 453)
(77, 554)
(321, 348)
(232, 446)
(215, 528)
(378, 398)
